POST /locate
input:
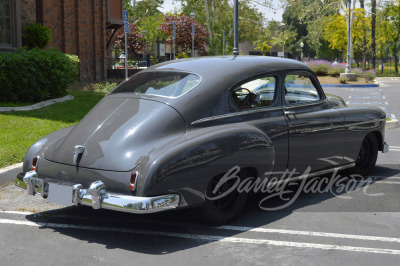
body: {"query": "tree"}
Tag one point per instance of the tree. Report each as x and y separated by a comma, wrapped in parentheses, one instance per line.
(364, 41)
(151, 25)
(392, 29)
(307, 17)
(184, 33)
(139, 10)
(134, 40)
(335, 31)
(217, 16)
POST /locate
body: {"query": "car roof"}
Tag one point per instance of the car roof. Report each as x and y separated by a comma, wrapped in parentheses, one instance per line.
(218, 74)
(228, 66)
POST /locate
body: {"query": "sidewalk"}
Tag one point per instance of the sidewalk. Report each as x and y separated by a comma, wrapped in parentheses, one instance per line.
(9, 173)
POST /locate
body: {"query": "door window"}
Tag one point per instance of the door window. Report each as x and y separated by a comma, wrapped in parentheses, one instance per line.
(300, 89)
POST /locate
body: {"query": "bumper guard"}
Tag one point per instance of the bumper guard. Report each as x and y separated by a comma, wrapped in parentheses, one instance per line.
(97, 197)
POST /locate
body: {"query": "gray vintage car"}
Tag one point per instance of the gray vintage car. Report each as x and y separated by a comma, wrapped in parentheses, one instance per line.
(164, 138)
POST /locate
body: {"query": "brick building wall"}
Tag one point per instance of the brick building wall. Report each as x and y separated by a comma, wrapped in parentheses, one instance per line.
(78, 27)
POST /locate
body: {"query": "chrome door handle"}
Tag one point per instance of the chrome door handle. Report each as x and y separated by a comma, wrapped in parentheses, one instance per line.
(288, 112)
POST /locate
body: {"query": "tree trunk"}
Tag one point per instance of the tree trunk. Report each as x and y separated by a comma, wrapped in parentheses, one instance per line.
(396, 58)
(373, 39)
(364, 42)
(208, 20)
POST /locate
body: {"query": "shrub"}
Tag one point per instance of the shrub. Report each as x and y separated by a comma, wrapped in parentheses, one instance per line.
(36, 75)
(343, 80)
(100, 87)
(369, 75)
(320, 67)
(357, 71)
(36, 35)
(335, 70)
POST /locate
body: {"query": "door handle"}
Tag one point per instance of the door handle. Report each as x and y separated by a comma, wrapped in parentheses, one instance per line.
(288, 112)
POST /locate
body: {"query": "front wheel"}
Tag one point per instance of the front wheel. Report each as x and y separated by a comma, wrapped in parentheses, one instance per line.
(227, 208)
(367, 156)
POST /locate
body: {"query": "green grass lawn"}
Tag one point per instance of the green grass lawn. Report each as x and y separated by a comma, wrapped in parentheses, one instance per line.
(19, 130)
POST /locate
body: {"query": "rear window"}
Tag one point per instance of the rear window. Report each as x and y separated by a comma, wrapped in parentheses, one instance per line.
(167, 84)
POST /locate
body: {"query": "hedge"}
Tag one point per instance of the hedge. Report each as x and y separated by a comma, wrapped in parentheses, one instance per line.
(36, 75)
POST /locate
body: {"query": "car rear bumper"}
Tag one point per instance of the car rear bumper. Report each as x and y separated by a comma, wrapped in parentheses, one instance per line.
(385, 148)
(96, 196)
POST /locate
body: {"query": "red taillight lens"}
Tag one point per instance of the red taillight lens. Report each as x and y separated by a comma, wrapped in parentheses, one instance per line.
(35, 162)
(132, 184)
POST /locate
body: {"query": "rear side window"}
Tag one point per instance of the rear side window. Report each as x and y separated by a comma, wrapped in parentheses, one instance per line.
(300, 89)
(167, 84)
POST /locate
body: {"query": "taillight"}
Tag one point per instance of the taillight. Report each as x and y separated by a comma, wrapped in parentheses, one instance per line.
(35, 162)
(132, 184)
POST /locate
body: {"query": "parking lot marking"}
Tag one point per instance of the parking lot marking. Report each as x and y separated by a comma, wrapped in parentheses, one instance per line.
(367, 97)
(207, 237)
(374, 103)
(309, 233)
(17, 212)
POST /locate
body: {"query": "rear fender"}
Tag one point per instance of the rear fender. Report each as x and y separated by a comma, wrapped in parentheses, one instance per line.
(187, 165)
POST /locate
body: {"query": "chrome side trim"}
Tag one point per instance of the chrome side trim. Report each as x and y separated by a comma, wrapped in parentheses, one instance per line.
(240, 113)
(385, 147)
(97, 197)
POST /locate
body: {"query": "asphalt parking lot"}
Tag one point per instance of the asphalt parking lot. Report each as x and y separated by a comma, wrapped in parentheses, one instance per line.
(355, 224)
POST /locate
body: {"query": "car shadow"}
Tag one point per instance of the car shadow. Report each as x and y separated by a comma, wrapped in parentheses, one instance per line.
(152, 233)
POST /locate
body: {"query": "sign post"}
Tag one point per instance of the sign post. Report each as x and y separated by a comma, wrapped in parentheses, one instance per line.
(126, 29)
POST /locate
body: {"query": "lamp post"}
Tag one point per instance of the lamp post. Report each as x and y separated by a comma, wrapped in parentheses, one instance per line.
(301, 48)
(144, 55)
(236, 28)
(193, 15)
(348, 39)
(283, 39)
(223, 42)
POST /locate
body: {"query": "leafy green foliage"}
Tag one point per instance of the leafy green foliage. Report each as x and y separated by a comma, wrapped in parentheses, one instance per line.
(183, 39)
(343, 80)
(335, 70)
(100, 87)
(370, 75)
(217, 16)
(36, 35)
(36, 75)
(134, 40)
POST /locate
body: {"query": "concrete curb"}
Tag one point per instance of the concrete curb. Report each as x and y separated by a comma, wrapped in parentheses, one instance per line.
(350, 85)
(37, 105)
(393, 123)
(9, 173)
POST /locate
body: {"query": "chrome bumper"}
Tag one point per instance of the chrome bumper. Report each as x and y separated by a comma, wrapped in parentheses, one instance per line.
(385, 147)
(97, 197)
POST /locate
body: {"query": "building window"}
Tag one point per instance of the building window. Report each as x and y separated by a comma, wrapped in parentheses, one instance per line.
(10, 25)
(5, 25)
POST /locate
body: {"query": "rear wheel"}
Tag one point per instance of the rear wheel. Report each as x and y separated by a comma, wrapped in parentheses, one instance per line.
(367, 156)
(227, 208)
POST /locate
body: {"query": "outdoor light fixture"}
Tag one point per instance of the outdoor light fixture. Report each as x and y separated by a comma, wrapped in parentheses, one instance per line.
(301, 47)
(122, 58)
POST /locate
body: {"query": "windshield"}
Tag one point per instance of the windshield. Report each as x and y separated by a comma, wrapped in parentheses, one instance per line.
(167, 84)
